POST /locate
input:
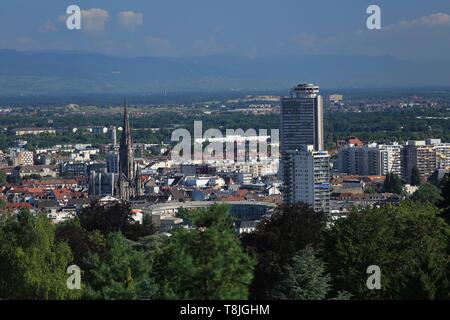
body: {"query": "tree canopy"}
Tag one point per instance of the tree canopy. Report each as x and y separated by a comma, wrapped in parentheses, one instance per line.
(113, 218)
(33, 264)
(415, 177)
(121, 272)
(428, 193)
(205, 263)
(409, 242)
(303, 278)
(277, 239)
(393, 184)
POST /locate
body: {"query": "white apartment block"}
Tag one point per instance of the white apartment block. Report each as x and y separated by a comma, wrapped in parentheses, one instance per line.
(370, 160)
(306, 176)
(254, 168)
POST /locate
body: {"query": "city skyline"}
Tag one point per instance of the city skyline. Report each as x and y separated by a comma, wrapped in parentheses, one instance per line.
(266, 150)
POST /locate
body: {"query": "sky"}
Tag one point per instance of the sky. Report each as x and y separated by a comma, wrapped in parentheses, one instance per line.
(410, 29)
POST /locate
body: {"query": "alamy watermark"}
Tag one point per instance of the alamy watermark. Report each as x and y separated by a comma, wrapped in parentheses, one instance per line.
(73, 19)
(374, 20)
(74, 280)
(374, 280)
(235, 145)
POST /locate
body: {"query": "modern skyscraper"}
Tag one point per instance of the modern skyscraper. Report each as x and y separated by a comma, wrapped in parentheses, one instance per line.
(302, 119)
(305, 167)
(307, 177)
(127, 173)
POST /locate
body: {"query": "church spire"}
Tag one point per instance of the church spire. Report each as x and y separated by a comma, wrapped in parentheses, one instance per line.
(127, 188)
(126, 133)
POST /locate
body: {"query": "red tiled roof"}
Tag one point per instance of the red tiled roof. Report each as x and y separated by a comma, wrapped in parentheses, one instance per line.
(355, 141)
(17, 205)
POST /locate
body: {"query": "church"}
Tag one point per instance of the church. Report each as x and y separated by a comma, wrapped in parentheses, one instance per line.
(124, 181)
(128, 182)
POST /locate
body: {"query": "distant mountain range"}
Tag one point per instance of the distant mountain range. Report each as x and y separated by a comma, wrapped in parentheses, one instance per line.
(59, 73)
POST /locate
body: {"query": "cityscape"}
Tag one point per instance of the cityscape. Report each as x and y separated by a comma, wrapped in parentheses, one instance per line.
(200, 183)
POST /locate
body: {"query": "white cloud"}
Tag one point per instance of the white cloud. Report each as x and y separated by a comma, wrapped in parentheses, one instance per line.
(432, 20)
(130, 20)
(47, 27)
(94, 20)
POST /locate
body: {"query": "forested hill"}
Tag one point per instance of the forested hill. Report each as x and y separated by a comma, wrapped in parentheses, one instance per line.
(50, 72)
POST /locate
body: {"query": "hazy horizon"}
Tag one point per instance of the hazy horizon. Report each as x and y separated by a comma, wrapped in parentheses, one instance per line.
(174, 28)
(143, 47)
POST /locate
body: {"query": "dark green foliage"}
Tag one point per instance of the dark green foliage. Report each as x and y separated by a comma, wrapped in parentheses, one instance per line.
(2, 178)
(113, 218)
(393, 184)
(33, 265)
(83, 243)
(277, 239)
(415, 177)
(445, 203)
(216, 215)
(428, 193)
(121, 272)
(204, 264)
(304, 278)
(408, 242)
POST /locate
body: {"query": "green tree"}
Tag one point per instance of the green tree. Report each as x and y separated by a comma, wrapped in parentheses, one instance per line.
(277, 239)
(205, 264)
(409, 242)
(33, 264)
(445, 203)
(120, 273)
(83, 243)
(113, 218)
(428, 192)
(415, 177)
(393, 184)
(2, 178)
(304, 278)
(216, 215)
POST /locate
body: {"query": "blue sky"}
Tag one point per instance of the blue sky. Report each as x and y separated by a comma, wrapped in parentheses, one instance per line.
(412, 29)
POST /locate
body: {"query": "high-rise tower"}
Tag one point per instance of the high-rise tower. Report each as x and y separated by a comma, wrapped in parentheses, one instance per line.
(305, 167)
(302, 118)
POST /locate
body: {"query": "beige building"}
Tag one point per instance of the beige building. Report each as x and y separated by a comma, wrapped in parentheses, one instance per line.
(23, 158)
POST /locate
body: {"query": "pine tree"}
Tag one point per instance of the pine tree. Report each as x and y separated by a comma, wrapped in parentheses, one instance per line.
(415, 177)
(304, 278)
(207, 263)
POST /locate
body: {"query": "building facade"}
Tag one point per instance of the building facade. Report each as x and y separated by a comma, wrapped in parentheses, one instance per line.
(370, 160)
(302, 119)
(419, 154)
(307, 178)
(112, 162)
